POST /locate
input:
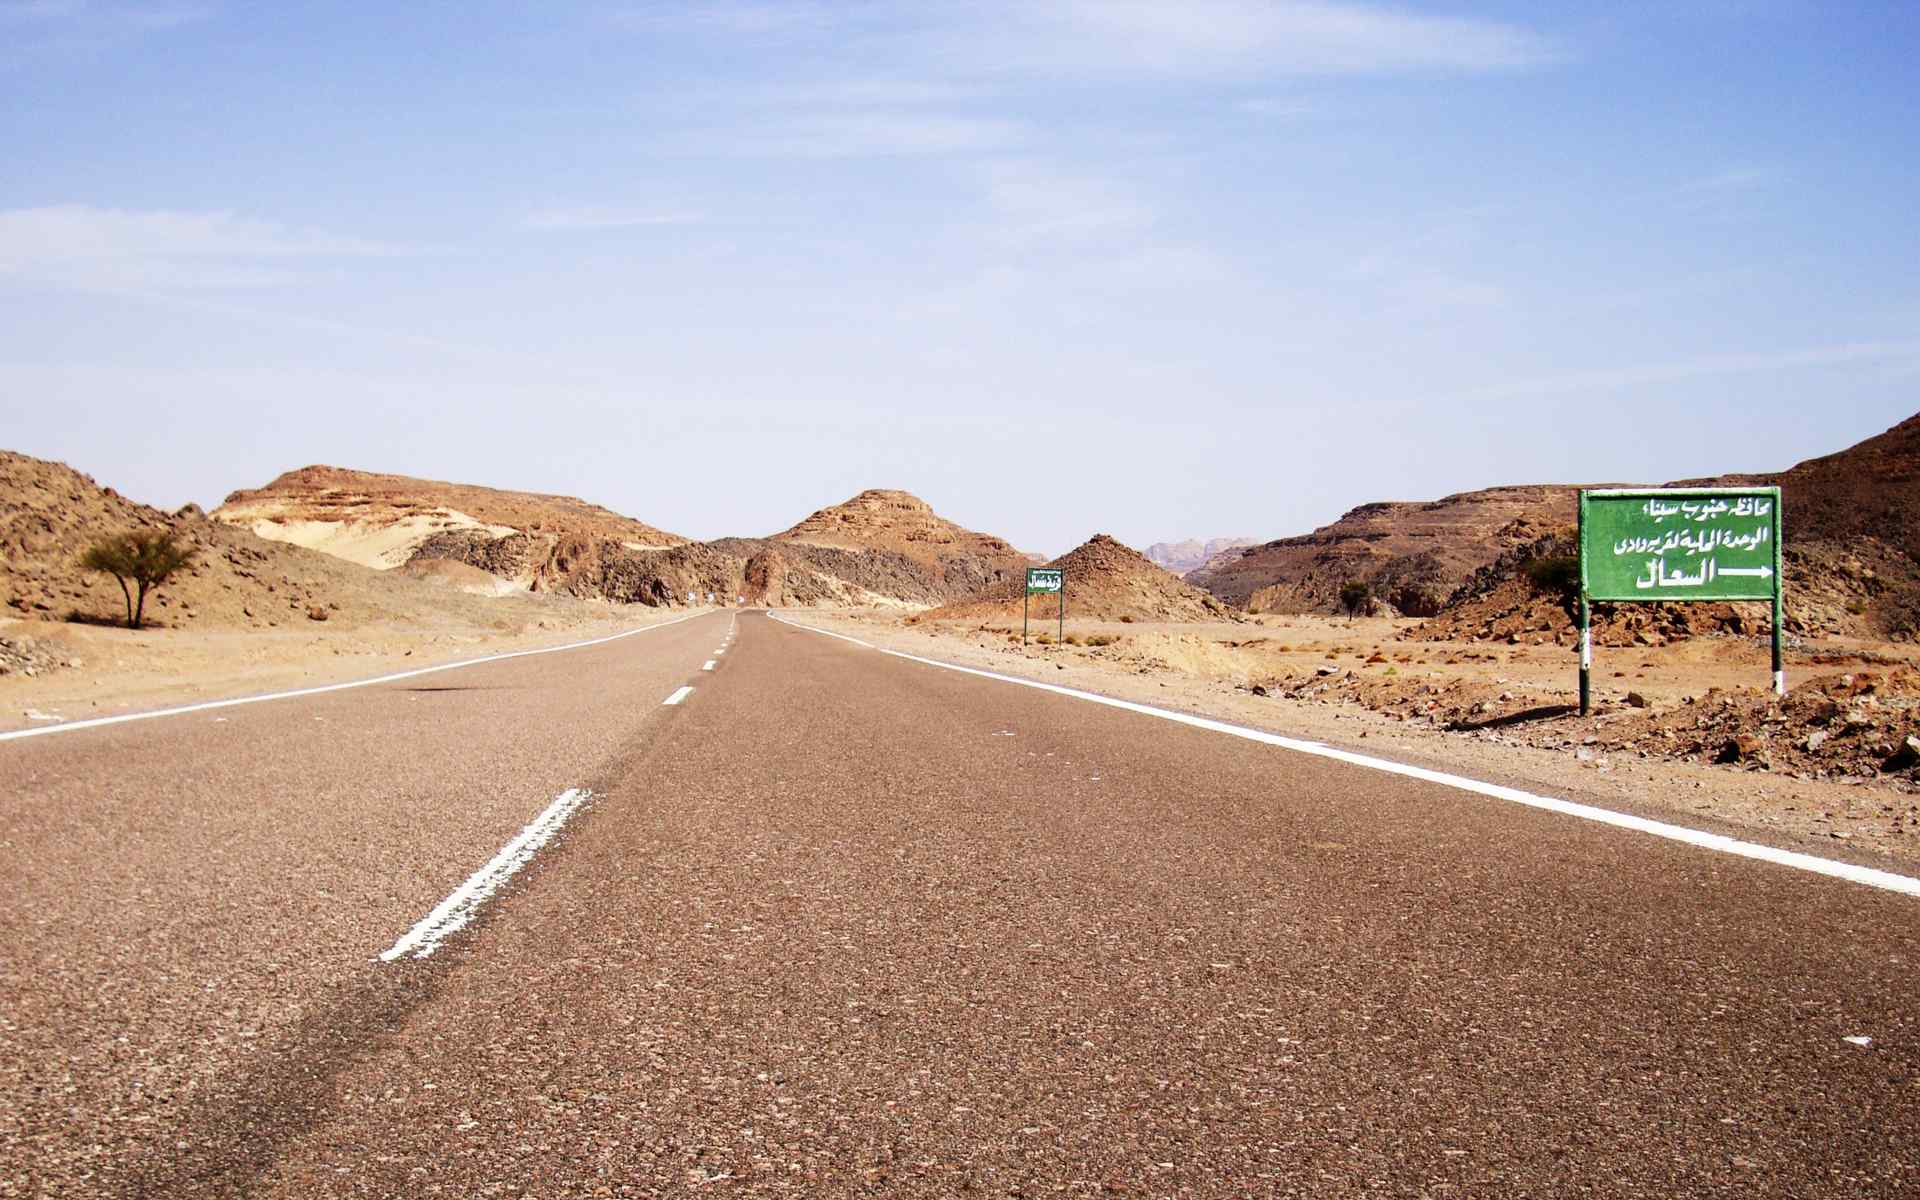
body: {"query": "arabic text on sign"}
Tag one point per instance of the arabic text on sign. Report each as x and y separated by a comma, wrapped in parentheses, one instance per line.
(1707, 510)
(1702, 541)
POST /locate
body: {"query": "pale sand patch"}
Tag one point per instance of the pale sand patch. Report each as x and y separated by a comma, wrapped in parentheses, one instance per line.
(380, 544)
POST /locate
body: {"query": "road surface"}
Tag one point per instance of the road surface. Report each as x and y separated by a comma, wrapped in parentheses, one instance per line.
(838, 923)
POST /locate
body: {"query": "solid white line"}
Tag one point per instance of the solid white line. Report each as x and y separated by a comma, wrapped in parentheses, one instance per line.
(1870, 876)
(825, 632)
(678, 696)
(458, 909)
(708, 666)
(95, 722)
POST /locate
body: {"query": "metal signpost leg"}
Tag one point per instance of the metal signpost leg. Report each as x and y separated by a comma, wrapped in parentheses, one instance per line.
(1026, 602)
(1779, 666)
(1586, 657)
(1779, 602)
(1062, 639)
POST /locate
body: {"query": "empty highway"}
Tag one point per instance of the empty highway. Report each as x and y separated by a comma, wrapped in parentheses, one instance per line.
(728, 907)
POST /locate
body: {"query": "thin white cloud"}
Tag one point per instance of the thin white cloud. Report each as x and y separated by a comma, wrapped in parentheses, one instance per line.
(869, 134)
(1311, 37)
(563, 220)
(1276, 108)
(1207, 39)
(80, 246)
(1037, 203)
(68, 22)
(1711, 366)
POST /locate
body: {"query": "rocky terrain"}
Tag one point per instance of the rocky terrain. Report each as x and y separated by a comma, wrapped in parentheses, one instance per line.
(880, 547)
(1106, 580)
(959, 561)
(50, 514)
(1852, 547)
(381, 520)
(1191, 554)
(1413, 555)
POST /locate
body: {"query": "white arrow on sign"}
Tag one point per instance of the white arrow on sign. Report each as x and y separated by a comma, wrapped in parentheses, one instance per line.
(1756, 572)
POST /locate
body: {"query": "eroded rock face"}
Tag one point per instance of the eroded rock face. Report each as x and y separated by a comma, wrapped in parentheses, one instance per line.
(1412, 555)
(1106, 580)
(886, 547)
(901, 523)
(1852, 547)
(381, 520)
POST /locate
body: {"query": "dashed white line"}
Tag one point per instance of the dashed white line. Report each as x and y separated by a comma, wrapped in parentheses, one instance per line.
(707, 666)
(678, 696)
(459, 909)
(95, 722)
(1869, 876)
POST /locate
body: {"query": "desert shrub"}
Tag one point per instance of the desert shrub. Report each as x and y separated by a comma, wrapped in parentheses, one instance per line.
(1126, 618)
(1045, 639)
(1102, 639)
(1356, 597)
(1557, 576)
(143, 560)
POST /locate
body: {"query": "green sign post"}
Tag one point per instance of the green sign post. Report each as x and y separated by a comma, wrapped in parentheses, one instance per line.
(1051, 581)
(1679, 544)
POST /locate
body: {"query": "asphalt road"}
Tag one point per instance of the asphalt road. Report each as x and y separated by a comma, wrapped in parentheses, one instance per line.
(837, 923)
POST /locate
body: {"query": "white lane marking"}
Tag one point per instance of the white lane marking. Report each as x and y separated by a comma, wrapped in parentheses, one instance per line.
(1870, 876)
(455, 912)
(707, 666)
(824, 632)
(680, 695)
(94, 722)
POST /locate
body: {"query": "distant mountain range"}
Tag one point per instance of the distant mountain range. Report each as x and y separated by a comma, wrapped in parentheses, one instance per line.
(1181, 557)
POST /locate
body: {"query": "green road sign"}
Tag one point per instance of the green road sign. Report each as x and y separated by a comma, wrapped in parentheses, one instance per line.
(1051, 581)
(1679, 544)
(1045, 579)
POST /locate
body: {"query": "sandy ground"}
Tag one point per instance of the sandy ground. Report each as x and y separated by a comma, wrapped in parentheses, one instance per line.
(119, 670)
(1211, 669)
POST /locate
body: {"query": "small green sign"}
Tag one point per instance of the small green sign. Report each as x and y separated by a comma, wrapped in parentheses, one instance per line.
(1680, 544)
(1045, 579)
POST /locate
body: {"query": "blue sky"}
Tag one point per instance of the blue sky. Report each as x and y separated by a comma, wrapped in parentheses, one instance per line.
(1220, 267)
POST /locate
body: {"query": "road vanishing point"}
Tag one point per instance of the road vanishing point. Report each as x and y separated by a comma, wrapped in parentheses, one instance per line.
(729, 907)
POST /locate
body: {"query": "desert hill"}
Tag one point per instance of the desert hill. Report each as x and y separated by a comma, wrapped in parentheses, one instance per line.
(900, 523)
(50, 514)
(1851, 561)
(1106, 580)
(1844, 513)
(379, 520)
(880, 547)
(1191, 554)
(1414, 555)
(1871, 489)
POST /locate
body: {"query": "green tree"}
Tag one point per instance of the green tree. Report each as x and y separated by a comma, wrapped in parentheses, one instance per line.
(1356, 597)
(141, 562)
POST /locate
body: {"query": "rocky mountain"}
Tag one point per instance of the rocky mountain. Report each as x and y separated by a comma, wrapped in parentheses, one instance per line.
(1181, 557)
(1871, 489)
(960, 562)
(880, 547)
(1851, 560)
(381, 520)
(1852, 522)
(50, 514)
(1412, 554)
(1106, 580)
